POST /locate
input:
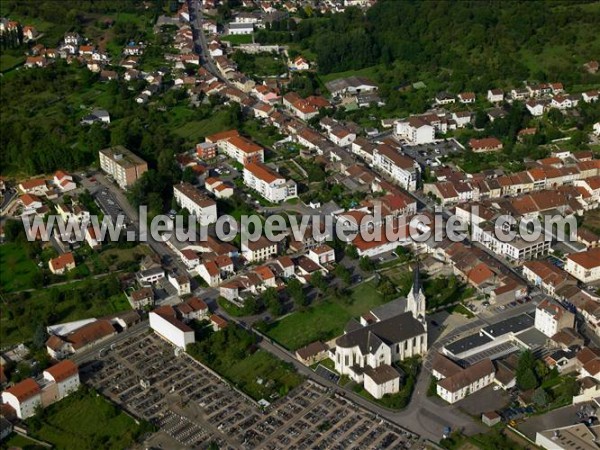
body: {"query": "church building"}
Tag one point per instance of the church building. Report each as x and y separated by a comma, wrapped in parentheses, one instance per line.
(393, 332)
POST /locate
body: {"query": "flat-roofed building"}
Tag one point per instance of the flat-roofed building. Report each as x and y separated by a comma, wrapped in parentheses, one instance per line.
(123, 165)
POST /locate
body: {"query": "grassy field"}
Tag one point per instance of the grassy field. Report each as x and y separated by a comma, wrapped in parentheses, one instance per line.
(261, 375)
(113, 259)
(193, 131)
(7, 62)
(368, 72)
(22, 314)
(18, 441)
(86, 420)
(17, 270)
(232, 353)
(237, 39)
(324, 320)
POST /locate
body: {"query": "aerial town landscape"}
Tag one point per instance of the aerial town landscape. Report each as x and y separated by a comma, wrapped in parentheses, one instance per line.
(300, 224)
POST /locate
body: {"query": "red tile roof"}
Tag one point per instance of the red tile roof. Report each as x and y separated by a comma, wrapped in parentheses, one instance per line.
(63, 370)
(24, 389)
(62, 261)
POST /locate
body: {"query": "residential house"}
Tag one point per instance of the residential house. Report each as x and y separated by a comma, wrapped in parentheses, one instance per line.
(415, 130)
(585, 266)
(62, 264)
(485, 145)
(141, 298)
(495, 95)
(259, 250)
(466, 97)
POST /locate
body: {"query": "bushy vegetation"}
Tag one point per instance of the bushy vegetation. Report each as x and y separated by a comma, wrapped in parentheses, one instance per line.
(493, 41)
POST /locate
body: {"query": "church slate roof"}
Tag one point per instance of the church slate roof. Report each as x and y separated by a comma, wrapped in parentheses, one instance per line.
(390, 331)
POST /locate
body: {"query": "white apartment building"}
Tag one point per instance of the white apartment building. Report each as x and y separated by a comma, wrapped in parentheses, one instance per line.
(402, 169)
(199, 205)
(585, 266)
(516, 249)
(550, 318)
(123, 165)
(268, 183)
(415, 131)
(56, 383)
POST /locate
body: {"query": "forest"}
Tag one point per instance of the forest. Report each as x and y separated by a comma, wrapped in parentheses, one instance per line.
(487, 41)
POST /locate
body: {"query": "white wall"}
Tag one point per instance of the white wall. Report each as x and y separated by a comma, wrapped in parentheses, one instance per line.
(170, 332)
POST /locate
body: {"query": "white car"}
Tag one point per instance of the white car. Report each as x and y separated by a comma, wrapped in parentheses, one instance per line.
(497, 388)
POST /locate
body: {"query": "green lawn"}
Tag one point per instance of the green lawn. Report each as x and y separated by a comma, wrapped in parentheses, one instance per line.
(17, 441)
(237, 39)
(276, 376)
(86, 420)
(232, 353)
(325, 320)
(17, 270)
(368, 72)
(193, 131)
(7, 62)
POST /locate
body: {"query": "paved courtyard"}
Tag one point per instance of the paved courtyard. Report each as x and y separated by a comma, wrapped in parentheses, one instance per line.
(193, 407)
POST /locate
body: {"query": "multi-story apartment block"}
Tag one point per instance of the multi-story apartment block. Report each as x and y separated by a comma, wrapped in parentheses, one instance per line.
(199, 205)
(123, 165)
(269, 183)
(400, 168)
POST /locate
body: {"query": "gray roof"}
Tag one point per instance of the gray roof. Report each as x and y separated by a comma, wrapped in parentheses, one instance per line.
(533, 338)
(390, 309)
(391, 331)
(344, 83)
(467, 343)
(513, 324)
(382, 374)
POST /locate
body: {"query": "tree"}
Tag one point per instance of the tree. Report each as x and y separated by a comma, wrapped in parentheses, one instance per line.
(317, 280)
(351, 252)
(343, 274)
(526, 378)
(39, 337)
(296, 291)
(271, 301)
(556, 117)
(366, 264)
(540, 397)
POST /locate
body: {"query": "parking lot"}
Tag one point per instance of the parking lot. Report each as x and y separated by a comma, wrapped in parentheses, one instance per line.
(194, 407)
(109, 205)
(426, 154)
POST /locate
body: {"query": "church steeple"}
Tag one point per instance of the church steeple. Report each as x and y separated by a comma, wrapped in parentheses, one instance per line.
(416, 296)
